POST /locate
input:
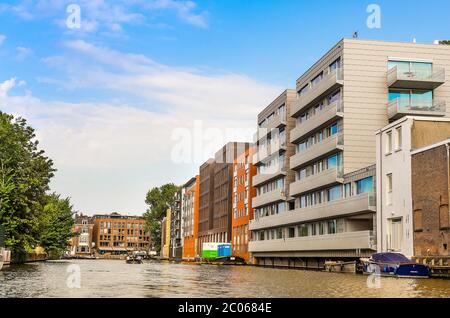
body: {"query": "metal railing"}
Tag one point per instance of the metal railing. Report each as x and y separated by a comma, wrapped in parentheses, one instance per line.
(437, 74)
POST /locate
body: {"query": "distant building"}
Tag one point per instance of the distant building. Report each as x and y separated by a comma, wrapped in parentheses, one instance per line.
(83, 244)
(430, 200)
(189, 218)
(120, 234)
(243, 193)
(165, 235)
(215, 209)
(176, 248)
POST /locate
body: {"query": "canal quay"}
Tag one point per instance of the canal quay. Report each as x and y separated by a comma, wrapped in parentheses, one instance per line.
(114, 278)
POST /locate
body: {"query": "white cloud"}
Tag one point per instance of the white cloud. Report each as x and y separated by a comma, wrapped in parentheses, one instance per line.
(108, 15)
(2, 38)
(23, 52)
(109, 153)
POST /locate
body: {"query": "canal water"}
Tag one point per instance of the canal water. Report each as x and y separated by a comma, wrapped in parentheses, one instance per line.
(108, 278)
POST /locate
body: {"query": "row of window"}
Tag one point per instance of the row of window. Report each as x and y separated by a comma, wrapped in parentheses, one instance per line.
(274, 164)
(327, 227)
(270, 210)
(271, 186)
(331, 99)
(319, 136)
(280, 111)
(316, 80)
(390, 136)
(338, 192)
(319, 166)
(121, 225)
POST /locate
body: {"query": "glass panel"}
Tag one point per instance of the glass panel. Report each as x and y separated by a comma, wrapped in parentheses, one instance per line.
(403, 97)
(421, 99)
(422, 70)
(334, 129)
(332, 161)
(334, 193)
(364, 185)
(402, 67)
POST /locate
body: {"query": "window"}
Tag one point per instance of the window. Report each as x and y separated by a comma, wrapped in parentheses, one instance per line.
(389, 142)
(364, 185)
(334, 129)
(316, 80)
(412, 99)
(334, 193)
(303, 230)
(291, 232)
(409, 69)
(279, 233)
(389, 188)
(303, 90)
(332, 227)
(335, 65)
(398, 145)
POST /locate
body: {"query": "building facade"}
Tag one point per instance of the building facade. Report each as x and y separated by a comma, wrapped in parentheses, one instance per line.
(215, 207)
(176, 247)
(84, 243)
(243, 193)
(117, 234)
(189, 218)
(430, 200)
(395, 143)
(165, 235)
(355, 89)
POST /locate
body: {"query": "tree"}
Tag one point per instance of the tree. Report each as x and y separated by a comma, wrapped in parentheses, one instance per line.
(445, 42)
(159, 200)
(56, 225)
(25, 173)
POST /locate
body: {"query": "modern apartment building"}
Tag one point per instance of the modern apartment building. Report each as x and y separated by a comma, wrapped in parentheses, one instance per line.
(82, 244)
(395, 144)
(119, 234)
(215, 209)
(176, 247)
(272, 157)
(355, 89)
(189, 218)
(243, 193)
(430, 201)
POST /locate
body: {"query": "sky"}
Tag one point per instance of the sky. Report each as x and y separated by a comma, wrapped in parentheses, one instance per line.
(139, 93)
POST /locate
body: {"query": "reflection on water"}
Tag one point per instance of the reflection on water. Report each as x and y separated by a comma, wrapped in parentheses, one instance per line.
(103, 278)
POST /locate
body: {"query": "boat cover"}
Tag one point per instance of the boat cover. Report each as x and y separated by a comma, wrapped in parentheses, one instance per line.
(390, 258)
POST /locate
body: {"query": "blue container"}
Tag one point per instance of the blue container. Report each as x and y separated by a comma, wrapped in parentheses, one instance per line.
(224, 250)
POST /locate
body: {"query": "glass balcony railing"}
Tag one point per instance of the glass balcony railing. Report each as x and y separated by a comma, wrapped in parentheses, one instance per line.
(427, 78)
(398, 108)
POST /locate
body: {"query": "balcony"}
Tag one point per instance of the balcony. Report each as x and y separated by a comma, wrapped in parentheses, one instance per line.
(277, 122)
(327, 85)
(269, 197)
(329, 114)
(268, 175)
(317, 151)
(341, 241)
(358, 204)
(434, 108)
(268, 151)
(397, 78)
(328, 177)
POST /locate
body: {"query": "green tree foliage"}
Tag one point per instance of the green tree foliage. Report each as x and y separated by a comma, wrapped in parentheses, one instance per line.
(25, 174)
(158, 199)
(55, 225)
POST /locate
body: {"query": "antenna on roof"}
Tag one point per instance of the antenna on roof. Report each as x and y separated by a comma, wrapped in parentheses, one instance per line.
(355, 34)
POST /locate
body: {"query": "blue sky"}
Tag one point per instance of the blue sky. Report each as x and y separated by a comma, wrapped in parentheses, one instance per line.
(106, 99)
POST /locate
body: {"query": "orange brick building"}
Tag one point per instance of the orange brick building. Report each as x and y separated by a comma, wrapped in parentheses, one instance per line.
(119, 234)
(189, 218)
(243, 192)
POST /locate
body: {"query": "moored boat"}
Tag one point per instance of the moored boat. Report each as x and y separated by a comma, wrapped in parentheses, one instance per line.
(131, 259)
(394, 264)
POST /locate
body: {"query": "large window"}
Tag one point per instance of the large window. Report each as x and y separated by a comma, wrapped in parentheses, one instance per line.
(413, 69)
(334, 193)
(412, 99)
(364, 185)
